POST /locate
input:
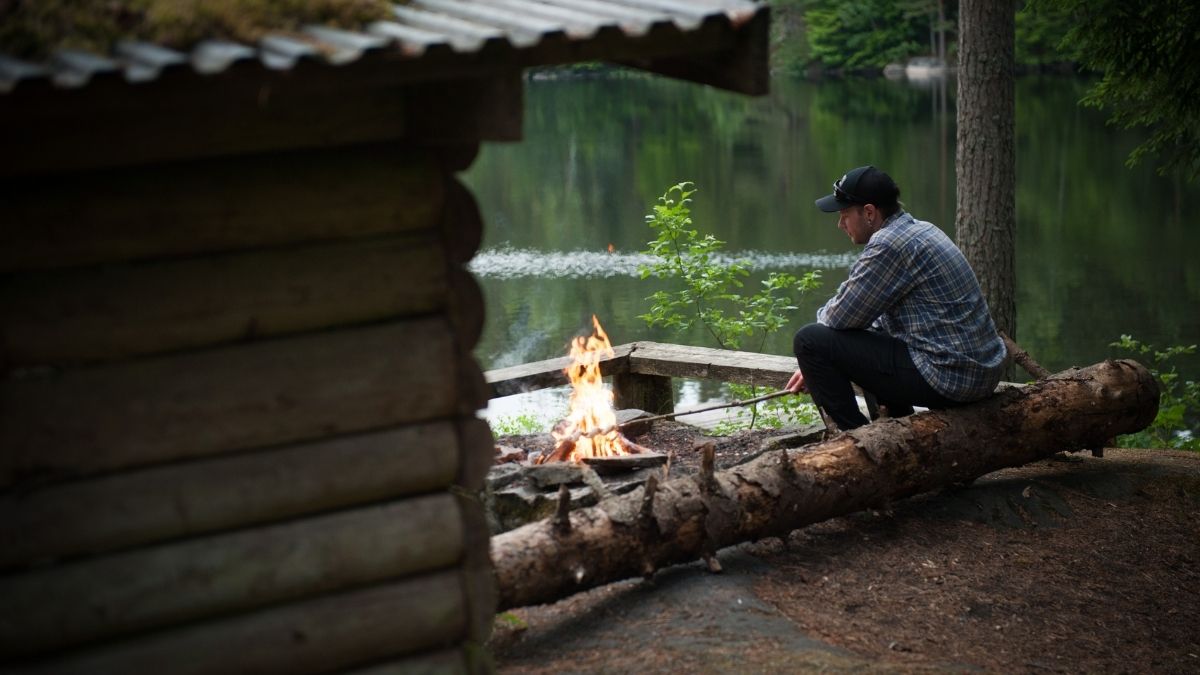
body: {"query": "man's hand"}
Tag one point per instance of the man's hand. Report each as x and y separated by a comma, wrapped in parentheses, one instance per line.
(796, 383)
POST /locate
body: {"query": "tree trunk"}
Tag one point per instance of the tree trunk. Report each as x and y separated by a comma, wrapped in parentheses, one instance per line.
(692, 517)
(985, 217)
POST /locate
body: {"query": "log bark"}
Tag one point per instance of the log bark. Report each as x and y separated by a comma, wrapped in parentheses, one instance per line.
(130, 508)
(82, 315)
(205, 403)
(330, 633)
(109, 596)
(208, 206)
(891, 459)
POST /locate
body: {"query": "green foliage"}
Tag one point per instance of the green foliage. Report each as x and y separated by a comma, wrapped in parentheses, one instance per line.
(863, 34)
(518, 425)
(775, 413)
(789, 45)
(710, 297)
(1040, 28)
(1179, 400)
(1145, 54)
(512, 621)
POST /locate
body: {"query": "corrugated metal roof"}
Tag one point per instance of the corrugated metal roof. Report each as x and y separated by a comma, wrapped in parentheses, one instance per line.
(434, 33)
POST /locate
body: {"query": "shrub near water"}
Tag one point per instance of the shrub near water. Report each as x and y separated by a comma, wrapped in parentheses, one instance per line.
(1178, 405)
(711, 298)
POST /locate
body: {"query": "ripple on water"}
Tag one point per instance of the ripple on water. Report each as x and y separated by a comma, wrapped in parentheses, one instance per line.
(513, 263)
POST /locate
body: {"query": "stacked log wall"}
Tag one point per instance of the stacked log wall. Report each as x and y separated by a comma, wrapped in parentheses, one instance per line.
(237, 415)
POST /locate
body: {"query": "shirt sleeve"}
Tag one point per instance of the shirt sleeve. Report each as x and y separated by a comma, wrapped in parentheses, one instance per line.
(878, 280)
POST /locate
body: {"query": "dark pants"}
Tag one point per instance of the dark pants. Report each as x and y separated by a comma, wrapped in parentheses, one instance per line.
(832, 359)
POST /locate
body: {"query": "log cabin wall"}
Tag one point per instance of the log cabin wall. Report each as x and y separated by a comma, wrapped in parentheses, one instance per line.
(237, 398)
(238, 416)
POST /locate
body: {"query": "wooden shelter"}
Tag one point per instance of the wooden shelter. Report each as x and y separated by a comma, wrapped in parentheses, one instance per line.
(238, 404)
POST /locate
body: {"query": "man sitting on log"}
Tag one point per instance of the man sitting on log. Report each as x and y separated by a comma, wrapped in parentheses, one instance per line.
(910, 324)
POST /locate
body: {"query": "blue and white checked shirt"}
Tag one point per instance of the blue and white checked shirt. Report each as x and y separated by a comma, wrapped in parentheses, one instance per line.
(912, 282)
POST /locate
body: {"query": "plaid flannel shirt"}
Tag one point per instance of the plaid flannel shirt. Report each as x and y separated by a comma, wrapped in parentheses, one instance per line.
(913, 283)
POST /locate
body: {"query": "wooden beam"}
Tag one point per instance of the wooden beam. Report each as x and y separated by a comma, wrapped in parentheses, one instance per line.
(476, 453)
(344, 630)
(549, 373)
(111, 312)
(652, 393)
(216, 205)
(449, 661)
(703, 363)
(479, 581)
(459, 111)
(742, 65)
(121, 510)
(462, 224)
(253, 110)
(101, 598)
(653, 359)
(206, 403)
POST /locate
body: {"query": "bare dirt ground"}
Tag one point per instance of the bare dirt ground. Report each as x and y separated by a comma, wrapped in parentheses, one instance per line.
(1074, 564)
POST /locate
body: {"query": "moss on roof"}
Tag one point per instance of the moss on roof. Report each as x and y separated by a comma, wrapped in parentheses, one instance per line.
(31, 29)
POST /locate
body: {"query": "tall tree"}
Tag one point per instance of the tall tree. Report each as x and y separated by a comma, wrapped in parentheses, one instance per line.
(985, 213)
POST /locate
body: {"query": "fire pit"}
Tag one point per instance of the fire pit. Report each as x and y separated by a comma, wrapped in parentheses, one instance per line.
(590, 430)
(522, 491)
(588, 444)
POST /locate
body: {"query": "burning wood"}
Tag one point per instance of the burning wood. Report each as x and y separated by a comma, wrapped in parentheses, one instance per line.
(590, 428)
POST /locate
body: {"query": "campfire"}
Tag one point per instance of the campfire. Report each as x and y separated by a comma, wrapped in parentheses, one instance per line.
(589, 433)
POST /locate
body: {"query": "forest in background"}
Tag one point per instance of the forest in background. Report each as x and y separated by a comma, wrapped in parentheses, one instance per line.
(864, 36)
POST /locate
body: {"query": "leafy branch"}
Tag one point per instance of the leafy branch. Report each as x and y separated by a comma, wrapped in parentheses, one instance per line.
(711, 297)
(1179, 400)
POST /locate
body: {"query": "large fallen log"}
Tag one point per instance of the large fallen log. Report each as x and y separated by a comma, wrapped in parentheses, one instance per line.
(691, 517)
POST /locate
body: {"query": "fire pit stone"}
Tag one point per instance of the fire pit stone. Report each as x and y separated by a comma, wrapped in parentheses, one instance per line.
(504, 475)
(630, 424)
(553, 474)
(521, 503)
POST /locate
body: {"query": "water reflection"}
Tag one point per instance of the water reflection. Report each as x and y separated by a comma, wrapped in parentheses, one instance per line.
(1102, 249)
(506, 262)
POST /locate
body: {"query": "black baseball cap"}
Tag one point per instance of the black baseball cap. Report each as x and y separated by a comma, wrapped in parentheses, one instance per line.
(863, 185)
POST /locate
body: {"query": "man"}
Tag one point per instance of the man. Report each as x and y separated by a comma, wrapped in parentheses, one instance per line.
(909, 325)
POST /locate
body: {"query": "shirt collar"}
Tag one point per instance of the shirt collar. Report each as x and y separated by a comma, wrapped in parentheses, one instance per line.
(895, 217)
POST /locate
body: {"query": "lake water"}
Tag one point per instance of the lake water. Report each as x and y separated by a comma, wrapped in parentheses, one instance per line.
(1101, 249)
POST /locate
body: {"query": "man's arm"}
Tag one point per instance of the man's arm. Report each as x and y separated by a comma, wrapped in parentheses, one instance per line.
(877, 281)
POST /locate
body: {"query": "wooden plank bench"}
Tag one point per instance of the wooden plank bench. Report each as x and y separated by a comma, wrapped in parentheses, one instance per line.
(642, 372)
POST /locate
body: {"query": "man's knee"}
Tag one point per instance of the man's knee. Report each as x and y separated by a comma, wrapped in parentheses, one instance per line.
(811, 338)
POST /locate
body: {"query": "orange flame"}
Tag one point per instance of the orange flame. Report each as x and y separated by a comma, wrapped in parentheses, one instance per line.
(591, 404)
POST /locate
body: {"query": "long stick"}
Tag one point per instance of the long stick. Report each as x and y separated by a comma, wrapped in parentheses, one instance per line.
(718, 406)
(734, 404)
